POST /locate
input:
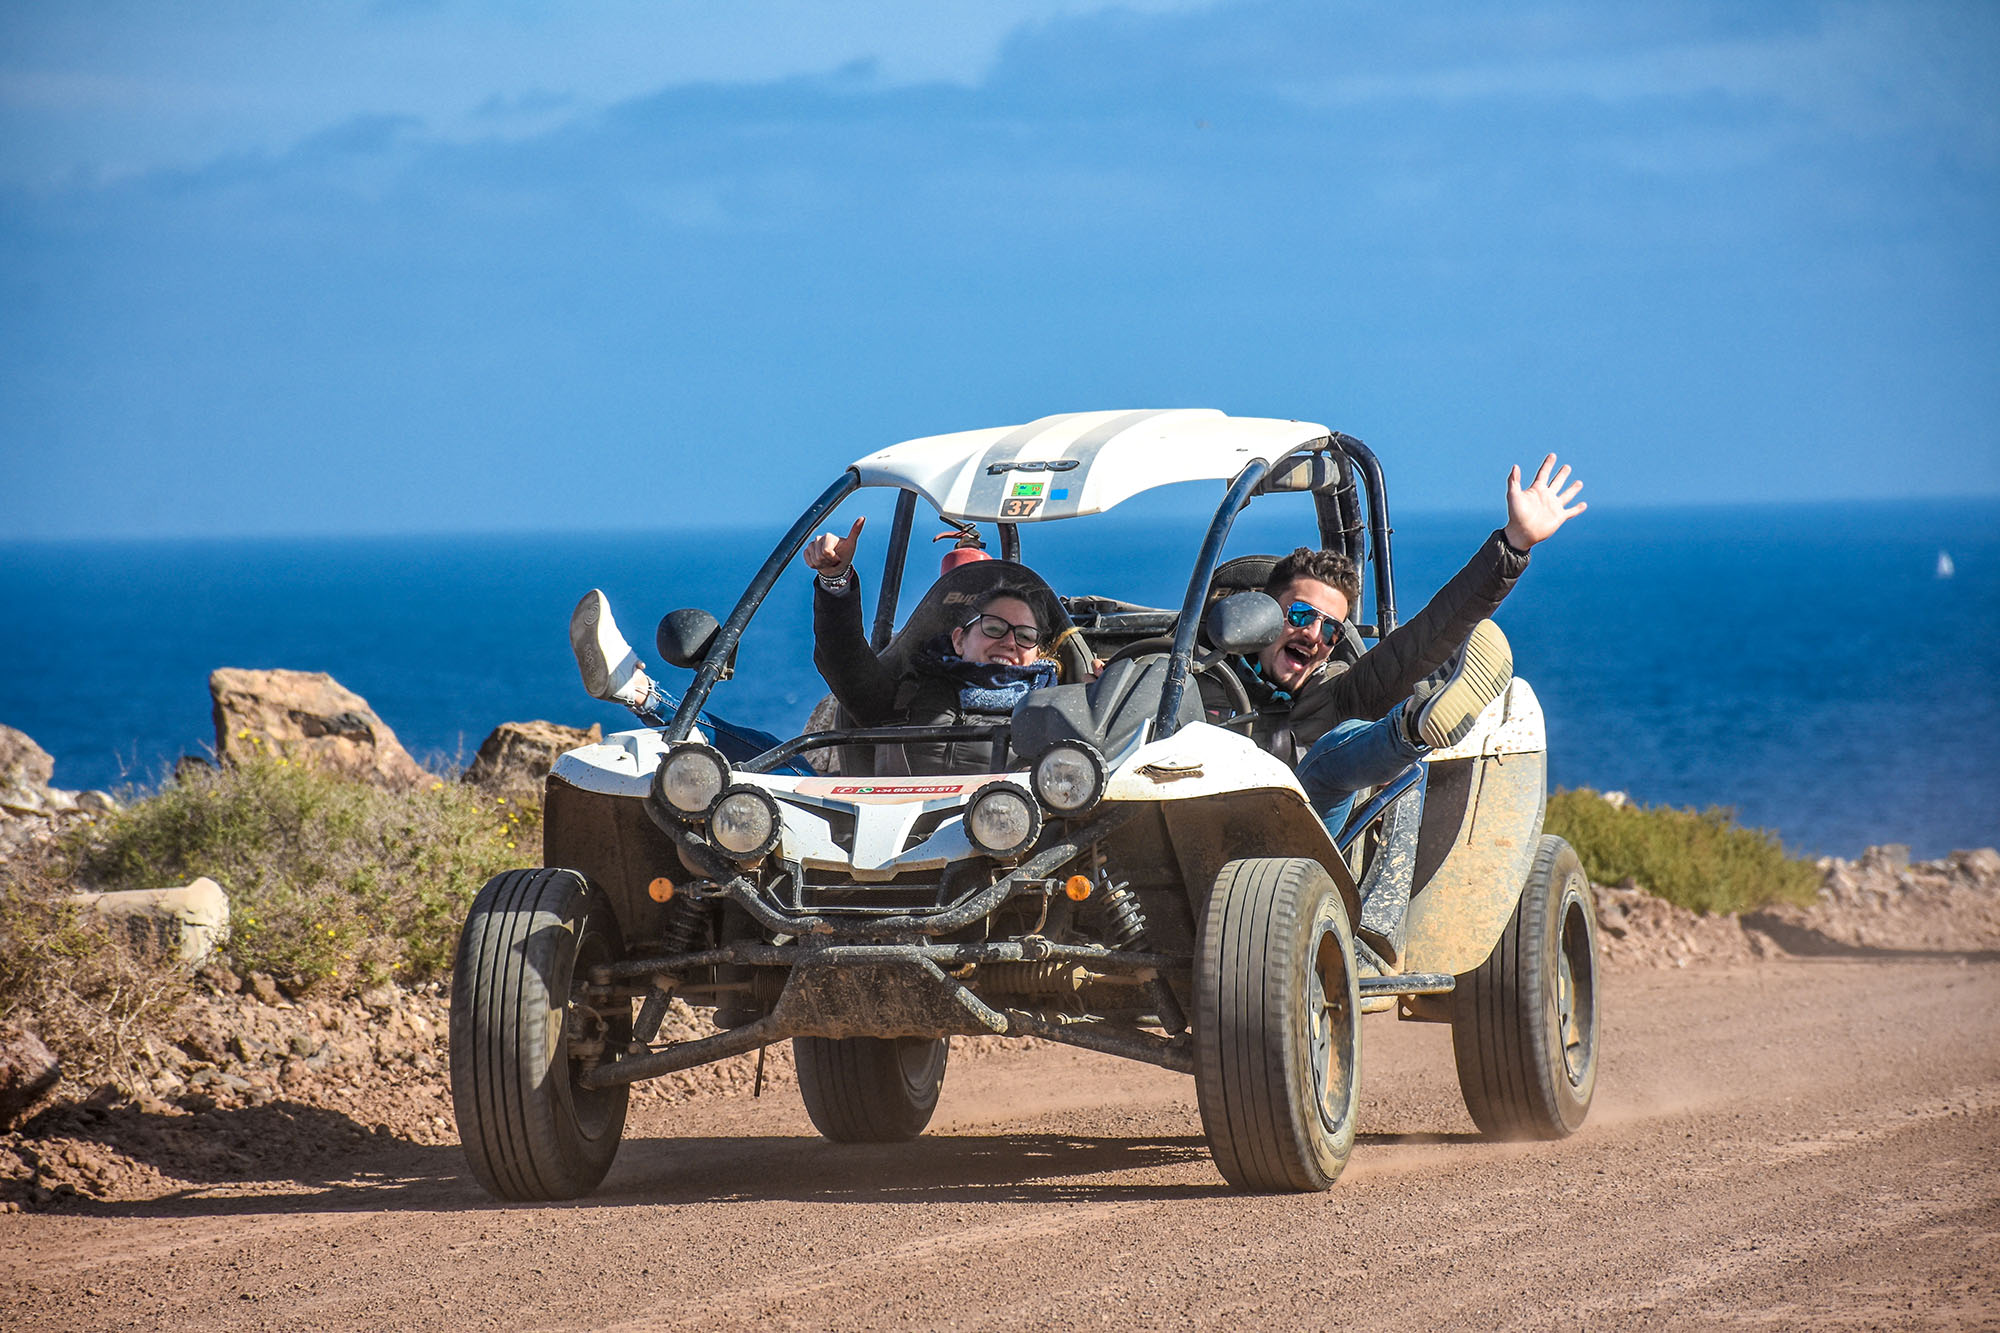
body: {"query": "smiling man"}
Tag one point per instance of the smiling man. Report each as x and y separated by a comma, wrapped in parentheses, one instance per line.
(1346, 726)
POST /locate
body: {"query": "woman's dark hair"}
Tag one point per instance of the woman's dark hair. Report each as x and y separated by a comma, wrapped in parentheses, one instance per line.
(1028, 597)
(1332, 568)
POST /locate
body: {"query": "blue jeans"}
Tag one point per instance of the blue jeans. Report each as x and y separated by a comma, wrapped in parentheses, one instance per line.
(1354, 755)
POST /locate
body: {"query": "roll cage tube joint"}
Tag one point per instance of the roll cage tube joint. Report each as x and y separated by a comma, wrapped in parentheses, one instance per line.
(1182, 654)
(724, 644)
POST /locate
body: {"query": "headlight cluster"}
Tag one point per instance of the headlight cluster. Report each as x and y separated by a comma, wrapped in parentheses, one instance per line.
(1004, 819)
(693, 783)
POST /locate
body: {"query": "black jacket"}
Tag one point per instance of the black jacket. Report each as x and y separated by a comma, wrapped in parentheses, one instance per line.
(1383, 676)
(874, 696)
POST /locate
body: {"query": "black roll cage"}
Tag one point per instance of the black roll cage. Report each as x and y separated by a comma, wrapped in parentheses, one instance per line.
(1337, 507)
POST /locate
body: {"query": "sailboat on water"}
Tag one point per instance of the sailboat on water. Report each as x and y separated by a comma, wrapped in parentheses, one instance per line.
(1945, 569)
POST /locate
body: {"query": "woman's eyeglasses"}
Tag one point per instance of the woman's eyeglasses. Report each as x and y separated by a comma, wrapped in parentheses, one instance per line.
(1301, 614)
(993, 627)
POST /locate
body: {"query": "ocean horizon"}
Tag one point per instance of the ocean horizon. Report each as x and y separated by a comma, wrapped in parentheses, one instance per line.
(1804, 665)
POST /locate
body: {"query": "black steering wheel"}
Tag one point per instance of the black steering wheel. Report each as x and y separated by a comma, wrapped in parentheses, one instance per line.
(1239, 698)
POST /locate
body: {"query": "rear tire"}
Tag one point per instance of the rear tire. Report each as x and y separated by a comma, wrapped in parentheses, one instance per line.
(870, 1089)
(1524, 1023)
(1277, 1026)
(529, 1132)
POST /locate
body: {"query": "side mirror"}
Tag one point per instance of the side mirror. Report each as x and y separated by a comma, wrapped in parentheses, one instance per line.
(685, 635)
(1244, 622)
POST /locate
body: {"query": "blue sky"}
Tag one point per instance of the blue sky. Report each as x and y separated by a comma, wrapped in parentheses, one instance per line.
(393, 267)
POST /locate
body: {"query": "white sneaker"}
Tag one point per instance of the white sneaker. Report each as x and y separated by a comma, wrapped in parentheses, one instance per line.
(1475, 678)
(611, 670)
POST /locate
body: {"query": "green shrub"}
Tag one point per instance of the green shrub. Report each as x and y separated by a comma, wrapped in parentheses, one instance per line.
(1702, 860)
(331, 882)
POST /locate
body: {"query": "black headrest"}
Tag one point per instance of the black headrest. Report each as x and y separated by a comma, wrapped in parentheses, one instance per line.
(1249, 573)
(949, 604)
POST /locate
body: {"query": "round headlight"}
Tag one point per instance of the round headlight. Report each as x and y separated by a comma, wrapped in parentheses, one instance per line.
(1002, 820)
(745, 822)
(1069, 778)
(690, 778)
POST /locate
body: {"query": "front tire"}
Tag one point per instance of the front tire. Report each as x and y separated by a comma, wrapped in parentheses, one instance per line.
(870, 1089)
(529, 1132)
(1524, 1023)
(1277, 1026)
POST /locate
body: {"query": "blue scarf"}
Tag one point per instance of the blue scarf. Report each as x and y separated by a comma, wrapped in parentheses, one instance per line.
(986, 687)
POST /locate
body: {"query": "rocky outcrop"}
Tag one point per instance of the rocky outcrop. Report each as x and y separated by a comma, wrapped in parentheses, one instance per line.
(31, 809)
(515, 759)
(1884, 902)
(307, 717)
(1880, 903)
(188, 922)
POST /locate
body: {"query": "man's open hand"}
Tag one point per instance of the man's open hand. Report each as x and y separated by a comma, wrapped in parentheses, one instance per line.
(1535, 512)
(830, 554)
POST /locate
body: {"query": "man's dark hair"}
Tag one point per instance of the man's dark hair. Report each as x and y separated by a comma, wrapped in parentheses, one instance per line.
(1329, 567)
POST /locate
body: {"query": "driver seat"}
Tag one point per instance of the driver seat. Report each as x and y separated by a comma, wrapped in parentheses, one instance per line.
(946, 605)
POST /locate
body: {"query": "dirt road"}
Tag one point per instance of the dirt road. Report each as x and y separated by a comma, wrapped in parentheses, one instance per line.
(1805, 1143)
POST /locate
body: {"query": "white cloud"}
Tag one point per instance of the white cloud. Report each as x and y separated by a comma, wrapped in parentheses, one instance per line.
(95, 89)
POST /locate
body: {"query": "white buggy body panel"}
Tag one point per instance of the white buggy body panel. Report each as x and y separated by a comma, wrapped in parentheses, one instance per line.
(1078, 463)
(1197, 762)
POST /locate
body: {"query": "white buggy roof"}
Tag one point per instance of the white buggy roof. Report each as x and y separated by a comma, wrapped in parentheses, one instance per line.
(1079, 462)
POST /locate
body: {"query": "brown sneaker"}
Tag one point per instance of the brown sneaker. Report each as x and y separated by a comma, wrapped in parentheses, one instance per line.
(1474, 679)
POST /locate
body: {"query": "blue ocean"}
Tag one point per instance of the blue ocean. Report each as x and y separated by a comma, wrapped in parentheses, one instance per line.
(1807, 666)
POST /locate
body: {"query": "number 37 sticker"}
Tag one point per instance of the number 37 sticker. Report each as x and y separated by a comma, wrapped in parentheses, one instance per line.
(1019, 508)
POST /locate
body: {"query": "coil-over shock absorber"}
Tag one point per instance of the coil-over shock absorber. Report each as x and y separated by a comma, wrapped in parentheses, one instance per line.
(682, 934)
(1115, 912)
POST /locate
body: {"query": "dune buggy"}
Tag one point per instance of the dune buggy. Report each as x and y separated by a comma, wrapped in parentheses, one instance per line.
(1140, 881)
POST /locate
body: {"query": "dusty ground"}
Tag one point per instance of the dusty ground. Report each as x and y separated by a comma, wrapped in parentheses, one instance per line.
(1801, 1143)
(1796, 1127)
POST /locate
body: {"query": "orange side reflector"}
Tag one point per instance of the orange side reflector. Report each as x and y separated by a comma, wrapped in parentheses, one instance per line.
(661, 890)
(1077, 887)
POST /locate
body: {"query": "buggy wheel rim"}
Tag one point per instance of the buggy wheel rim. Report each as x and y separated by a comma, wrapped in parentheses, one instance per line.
(1574, 996)
(1327, 1017)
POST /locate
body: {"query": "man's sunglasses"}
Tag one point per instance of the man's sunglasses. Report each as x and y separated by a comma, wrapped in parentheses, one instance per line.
(1301, 614)
(993, 627)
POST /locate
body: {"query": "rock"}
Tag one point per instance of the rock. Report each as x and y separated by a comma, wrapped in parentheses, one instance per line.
(188, 921)
(1891, 857)
(307, 717)
(19, 799)
(518, 755)
(56, 801)
(28, 1071)
(22, 762)
(265, 989)
(1983, 863)
(380, 999)
(97, 802)
(1617, 800)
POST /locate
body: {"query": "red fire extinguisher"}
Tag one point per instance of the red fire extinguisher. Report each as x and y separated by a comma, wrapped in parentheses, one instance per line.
(967, 548)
